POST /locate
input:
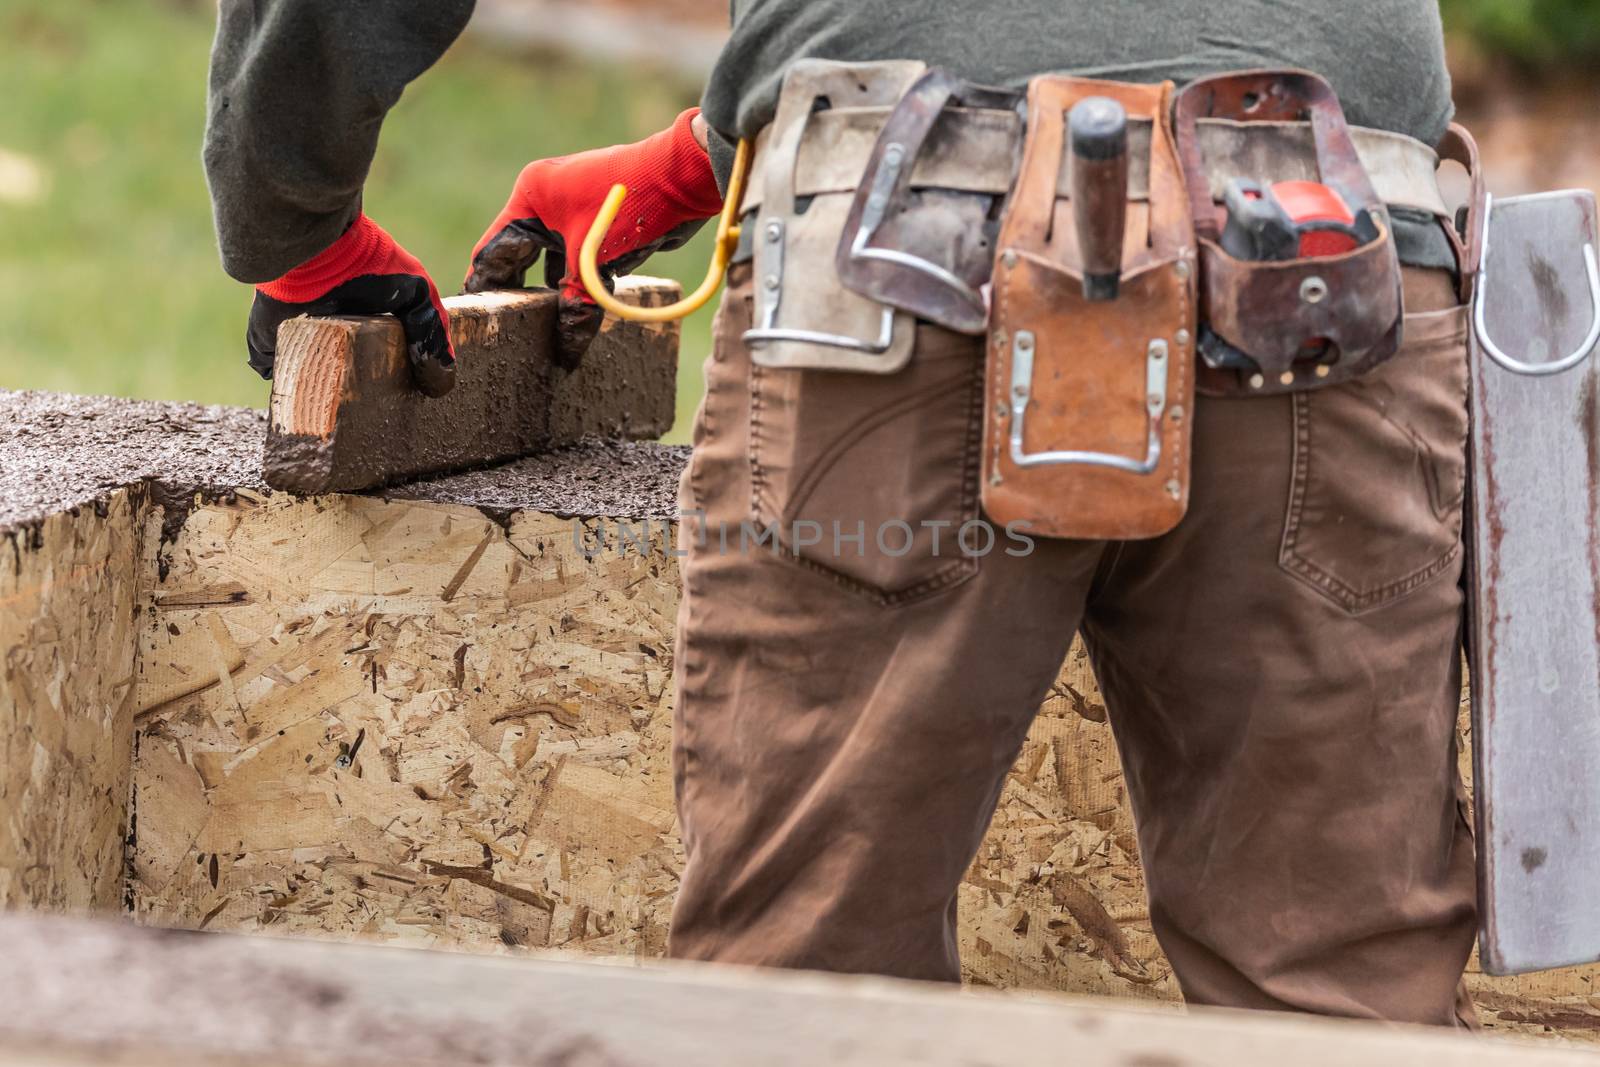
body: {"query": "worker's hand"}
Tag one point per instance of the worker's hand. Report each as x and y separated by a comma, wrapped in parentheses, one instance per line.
(671, 191)
(362, 273)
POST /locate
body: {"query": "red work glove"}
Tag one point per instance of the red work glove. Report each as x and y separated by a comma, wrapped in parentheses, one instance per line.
(671, 192)
(362, 273)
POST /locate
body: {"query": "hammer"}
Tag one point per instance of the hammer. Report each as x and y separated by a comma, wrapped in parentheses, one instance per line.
(1097, 129)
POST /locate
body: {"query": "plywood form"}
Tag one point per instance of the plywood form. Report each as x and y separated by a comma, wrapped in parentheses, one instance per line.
(75, 990)
(66, 715)
(511, 784)
(442, 730)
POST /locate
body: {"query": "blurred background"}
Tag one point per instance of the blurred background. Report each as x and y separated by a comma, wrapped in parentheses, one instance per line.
(109, 280)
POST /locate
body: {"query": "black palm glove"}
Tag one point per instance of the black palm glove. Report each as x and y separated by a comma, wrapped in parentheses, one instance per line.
(671, 192)
(364, 272)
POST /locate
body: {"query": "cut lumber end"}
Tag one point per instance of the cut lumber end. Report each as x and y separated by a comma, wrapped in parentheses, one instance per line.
(345, 416)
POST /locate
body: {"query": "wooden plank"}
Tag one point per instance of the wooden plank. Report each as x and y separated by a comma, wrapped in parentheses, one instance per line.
(106, 987)
(1536, 593)
(345, 416)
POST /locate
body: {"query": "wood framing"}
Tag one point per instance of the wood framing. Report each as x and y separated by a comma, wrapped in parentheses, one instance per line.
(82, 993)
(345, 415)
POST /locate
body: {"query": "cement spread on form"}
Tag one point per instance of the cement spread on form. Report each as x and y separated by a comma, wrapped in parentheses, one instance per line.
(59, 451)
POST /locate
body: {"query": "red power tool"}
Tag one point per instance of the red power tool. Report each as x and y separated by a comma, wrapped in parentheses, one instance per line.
(1287, 220)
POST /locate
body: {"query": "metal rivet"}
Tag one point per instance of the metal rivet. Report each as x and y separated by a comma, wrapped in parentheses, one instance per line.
(1176, 414)
(1313, 290)
(1157, 349)
(1182, 338)
(1009, 259)
(1000, 338)
(771, 281)
(1323, 370)
(1021, 391)
(1174, 489)
(1286, 378)
(1001, 411)
(1182, 268)
(774, 231)
(1257, 381)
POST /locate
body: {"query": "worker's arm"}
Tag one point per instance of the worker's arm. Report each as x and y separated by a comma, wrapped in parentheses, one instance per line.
(298, 92)
(671, 192)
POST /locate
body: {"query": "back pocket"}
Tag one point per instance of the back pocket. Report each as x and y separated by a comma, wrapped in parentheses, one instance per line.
(1375, 508)
(872, 479)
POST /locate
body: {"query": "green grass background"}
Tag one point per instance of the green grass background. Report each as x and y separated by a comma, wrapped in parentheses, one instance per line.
(109, 281)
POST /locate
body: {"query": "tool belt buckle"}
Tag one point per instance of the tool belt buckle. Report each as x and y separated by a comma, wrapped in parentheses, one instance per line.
(1089, 382)
(927, 252)
(865, 335)
(1286, 325)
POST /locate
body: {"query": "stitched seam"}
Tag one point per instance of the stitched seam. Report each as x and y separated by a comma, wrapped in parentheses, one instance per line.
(758, 474)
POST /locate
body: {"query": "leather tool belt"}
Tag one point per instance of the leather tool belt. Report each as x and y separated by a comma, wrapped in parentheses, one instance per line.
(844, 271)
(888, 193)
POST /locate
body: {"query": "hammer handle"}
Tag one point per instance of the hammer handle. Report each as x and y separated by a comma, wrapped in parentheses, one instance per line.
(1098, 131)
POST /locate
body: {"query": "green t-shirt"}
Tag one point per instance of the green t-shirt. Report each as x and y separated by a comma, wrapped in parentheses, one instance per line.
(1385, 58)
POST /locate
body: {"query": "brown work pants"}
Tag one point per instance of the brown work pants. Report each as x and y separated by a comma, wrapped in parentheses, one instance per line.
(1281, 671)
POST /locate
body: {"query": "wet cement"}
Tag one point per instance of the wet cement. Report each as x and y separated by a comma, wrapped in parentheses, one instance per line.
(59, 452)
(594, 477)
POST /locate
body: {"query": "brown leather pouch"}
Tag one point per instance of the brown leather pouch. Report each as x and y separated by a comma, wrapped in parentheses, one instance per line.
(1273, 327)
(1089, 403)
(926, 251)
(805, 317)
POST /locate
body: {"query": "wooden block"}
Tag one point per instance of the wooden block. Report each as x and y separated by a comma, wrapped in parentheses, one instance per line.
(83, 993)
(345, 415)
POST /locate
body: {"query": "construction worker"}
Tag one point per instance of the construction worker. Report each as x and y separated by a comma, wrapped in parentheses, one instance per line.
(1281, 670)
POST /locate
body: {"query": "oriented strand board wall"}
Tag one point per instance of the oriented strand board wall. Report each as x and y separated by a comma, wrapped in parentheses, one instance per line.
(508, 701)
(66, 679)
(414, 724)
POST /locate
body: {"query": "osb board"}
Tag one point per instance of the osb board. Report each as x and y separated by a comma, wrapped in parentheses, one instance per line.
(508, 700)
(66, 679)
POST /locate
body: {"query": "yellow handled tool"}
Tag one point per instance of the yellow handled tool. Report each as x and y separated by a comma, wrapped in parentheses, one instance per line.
(727, 240)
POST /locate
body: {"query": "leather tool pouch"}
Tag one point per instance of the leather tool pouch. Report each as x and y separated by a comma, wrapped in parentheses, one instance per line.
(925, 251)
(804, 316)
(1089, 403)
(1274, 327)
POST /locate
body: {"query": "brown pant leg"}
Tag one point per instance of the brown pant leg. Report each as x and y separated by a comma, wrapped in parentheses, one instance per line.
(1283, 677)
(846, 717)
